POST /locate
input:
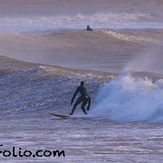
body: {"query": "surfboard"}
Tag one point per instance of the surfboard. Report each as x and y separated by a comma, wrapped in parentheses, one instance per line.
(60, 115)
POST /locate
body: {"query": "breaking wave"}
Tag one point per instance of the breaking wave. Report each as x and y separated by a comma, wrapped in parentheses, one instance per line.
(41, 88)
(131, 99)
(79, 21)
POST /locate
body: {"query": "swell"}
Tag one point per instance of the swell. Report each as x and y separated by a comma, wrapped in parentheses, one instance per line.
(104, 50)
(39, 89)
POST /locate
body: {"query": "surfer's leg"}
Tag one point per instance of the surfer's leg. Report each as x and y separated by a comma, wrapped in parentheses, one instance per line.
(79, 100)
(83, 105)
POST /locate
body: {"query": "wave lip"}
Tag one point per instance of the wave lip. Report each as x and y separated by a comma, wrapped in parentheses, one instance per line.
(129, 99)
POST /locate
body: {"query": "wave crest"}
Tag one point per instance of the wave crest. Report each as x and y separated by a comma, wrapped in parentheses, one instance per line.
(130, 99)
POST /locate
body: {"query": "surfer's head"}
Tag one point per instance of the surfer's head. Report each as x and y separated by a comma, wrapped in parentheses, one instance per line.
(82, 83)
(88, 27)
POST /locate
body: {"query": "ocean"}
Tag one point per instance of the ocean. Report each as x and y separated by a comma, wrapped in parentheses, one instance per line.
(45, 52)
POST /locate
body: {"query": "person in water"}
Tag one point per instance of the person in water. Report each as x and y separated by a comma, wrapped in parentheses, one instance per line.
(88, 28)
(84, 98)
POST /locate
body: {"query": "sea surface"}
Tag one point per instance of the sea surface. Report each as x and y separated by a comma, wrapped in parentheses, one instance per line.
(45, 52)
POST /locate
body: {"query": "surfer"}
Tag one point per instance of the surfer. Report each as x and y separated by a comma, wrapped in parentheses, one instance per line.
(88, 28)
(84, 98)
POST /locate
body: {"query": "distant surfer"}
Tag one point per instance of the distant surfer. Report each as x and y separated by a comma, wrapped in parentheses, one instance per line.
(84, 98)
(89, 28)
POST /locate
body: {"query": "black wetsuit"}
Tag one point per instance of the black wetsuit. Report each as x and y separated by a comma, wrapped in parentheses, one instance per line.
(83, 98)
(88, 28)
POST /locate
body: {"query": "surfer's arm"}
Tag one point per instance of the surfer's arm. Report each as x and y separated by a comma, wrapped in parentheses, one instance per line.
(89, 103)
(74, 95)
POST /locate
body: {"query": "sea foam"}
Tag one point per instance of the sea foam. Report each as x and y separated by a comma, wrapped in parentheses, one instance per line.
(129, 99)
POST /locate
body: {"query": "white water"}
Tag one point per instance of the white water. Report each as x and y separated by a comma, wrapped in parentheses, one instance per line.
(27, 96)
(130, 99)
(79, 21)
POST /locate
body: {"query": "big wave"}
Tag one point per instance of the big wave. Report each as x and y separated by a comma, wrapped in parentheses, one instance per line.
(130, 99)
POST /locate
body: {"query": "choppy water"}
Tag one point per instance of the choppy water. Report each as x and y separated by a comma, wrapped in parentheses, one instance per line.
(84, 139)
(28, 95)
(120, 61)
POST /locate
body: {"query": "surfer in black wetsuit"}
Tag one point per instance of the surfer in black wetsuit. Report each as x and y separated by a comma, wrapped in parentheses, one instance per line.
(84, 98)
(88, 28)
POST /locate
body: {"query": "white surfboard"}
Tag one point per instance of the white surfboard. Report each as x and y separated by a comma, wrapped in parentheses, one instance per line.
(60, 115)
